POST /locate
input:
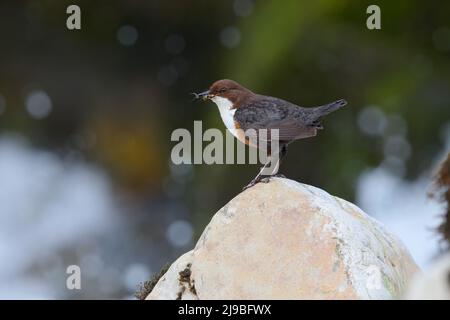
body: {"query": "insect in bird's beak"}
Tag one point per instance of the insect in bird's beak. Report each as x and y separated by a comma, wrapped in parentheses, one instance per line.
(203, 95)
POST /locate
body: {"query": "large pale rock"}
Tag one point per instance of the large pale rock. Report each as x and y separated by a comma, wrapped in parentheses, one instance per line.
(286, 240)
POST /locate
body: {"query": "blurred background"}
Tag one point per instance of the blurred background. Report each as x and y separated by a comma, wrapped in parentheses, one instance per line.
(86, 118)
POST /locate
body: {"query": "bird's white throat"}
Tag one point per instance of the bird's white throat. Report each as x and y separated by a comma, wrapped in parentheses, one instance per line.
(226, 112)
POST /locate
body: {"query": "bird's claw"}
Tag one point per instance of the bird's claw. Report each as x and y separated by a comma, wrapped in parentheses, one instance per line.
(251, 184)
(256, 181)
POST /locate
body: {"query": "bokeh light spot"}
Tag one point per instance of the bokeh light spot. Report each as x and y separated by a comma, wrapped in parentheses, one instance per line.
(167, 75)
(135, 273)
(230, 37)
(38, 104)
(243, 8)
(397, 146)
(127, 35)
(174, 44)
(179, 233)
(372, 121)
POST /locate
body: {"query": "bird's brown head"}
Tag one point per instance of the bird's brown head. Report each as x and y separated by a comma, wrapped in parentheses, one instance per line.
(228, 89)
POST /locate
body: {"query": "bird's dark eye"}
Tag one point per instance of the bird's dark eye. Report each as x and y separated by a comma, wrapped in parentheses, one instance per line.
(222, 90)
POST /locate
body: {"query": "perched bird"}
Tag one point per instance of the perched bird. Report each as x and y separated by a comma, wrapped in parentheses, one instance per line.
(241, 109)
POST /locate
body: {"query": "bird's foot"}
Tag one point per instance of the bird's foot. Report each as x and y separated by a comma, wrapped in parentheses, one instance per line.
(266, 179)
(256, 181)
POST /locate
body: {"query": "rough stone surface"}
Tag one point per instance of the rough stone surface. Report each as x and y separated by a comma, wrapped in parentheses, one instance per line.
(172, 285)
(286, 240)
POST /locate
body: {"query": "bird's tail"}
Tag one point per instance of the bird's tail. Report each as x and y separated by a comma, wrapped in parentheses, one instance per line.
(330, 107)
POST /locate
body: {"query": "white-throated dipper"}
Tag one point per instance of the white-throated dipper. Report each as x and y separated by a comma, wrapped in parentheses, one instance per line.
(241, 110)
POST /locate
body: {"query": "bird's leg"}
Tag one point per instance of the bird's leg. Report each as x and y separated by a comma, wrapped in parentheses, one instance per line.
(282, 154)
(266, 178)
(258, 178)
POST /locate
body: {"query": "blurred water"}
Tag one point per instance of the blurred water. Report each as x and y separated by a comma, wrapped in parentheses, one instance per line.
(57, 211)
(46, 205)
(404, 207)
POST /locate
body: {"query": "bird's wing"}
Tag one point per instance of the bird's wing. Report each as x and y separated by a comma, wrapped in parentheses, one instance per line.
(272, 113)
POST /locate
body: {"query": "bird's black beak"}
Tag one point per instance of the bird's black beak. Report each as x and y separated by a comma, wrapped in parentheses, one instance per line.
(203, 95)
